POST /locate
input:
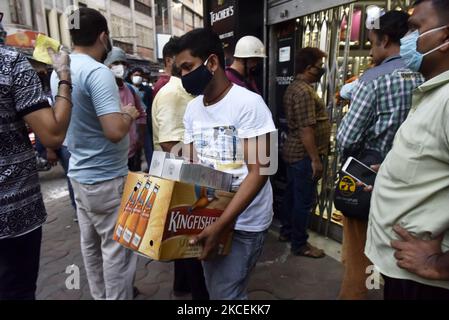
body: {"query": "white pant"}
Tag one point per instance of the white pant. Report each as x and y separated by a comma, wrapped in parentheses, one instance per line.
(110, 267)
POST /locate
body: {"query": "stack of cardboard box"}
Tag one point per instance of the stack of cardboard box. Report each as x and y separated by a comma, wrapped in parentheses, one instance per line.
(160, 211)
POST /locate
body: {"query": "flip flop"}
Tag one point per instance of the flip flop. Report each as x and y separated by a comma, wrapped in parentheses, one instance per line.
(310, 252)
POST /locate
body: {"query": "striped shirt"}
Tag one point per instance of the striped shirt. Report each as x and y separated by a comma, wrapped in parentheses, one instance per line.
(381, 102)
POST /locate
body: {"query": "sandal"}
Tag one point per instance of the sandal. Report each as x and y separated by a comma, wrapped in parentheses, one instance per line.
(309, 251)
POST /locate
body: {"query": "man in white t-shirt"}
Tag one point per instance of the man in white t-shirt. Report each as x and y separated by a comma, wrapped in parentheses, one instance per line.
(222, 125)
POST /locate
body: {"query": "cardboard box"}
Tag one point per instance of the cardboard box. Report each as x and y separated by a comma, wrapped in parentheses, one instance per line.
(173, 168)
(158, 216)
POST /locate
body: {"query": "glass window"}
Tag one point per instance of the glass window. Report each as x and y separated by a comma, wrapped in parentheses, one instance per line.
(16, 10)
(188, 18)
(356, 28)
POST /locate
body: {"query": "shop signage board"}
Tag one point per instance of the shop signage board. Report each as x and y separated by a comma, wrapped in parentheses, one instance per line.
(283, 10)
(285, 74)
(222, 18)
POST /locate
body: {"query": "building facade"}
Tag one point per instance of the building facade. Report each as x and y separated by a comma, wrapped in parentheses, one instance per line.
(131, 24)
(176, 17)
(25, 19)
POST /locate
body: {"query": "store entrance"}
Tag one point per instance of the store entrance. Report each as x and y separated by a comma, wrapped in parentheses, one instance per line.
(341, 33)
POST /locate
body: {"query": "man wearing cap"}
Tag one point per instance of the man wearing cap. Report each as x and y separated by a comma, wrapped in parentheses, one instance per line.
(249, 51)
(117, 62)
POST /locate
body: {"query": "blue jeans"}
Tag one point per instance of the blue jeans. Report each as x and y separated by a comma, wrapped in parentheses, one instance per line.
(227, 276)
(299, 199)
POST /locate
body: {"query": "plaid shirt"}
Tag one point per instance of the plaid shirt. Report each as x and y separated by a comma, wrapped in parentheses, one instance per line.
(380, 103)
(304, 108)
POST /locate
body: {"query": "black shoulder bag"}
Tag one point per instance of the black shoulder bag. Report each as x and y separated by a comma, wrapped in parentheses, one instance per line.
(350, 199)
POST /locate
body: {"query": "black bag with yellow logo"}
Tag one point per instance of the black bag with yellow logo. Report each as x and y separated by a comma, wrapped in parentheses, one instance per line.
(350, 199)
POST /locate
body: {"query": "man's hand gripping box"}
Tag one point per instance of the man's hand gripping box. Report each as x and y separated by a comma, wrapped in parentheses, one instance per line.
(158, 216)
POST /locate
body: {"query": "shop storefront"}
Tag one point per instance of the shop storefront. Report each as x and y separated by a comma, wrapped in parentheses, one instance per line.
(337, 27)
(233, 19)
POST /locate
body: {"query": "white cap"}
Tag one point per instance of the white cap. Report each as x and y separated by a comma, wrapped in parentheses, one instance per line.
(249, 47)
(115, 55)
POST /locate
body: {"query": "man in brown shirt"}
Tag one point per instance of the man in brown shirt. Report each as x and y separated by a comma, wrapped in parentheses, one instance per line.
(307, 143)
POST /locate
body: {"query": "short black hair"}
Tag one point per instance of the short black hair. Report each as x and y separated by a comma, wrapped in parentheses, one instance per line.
(441, 7)
(202, 43)
(171, 48)
(91, 24)
(393, 24)
(136, 69)
(308, 57)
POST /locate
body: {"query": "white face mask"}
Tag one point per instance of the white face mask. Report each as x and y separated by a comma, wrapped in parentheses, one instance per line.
(118, 71)
(145, 84)
(137, 80)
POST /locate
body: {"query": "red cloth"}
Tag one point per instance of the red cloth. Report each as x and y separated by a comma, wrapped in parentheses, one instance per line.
(162, 81)
(129, 97)
(239, 80)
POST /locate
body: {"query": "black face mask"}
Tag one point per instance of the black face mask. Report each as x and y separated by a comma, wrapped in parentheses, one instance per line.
(320, 74)
(196, 81)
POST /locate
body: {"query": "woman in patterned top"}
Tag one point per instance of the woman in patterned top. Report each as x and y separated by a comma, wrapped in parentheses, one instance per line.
(22, 211)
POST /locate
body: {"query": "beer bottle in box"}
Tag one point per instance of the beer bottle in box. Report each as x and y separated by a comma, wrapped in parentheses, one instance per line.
(133, 218)
(144, 218)
(118, 232)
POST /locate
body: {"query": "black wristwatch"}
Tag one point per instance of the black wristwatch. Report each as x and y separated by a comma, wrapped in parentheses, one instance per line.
(68, 83)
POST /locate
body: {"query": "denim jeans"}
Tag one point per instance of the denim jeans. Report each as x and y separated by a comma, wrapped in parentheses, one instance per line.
(227, 276)
(299, 199)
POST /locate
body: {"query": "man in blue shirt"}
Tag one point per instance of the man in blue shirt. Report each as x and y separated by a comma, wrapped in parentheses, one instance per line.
(98, 142)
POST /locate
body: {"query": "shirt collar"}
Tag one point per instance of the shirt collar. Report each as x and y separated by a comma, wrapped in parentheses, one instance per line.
(434, 83)
(391, 58)
(302, 78)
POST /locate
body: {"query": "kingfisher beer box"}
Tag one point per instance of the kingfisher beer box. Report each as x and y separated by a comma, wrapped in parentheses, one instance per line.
(158, 216)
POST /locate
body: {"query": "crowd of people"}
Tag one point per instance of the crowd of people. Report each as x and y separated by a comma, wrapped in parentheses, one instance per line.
(101, 115)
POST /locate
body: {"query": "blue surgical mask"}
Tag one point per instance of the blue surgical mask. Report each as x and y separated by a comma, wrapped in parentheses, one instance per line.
(409, 52)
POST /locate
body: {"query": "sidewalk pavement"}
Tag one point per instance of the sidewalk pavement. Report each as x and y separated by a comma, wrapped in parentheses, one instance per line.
(278, 275)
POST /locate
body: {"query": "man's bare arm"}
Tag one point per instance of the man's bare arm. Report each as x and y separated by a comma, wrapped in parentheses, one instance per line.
(116, 125)
(308, 140)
